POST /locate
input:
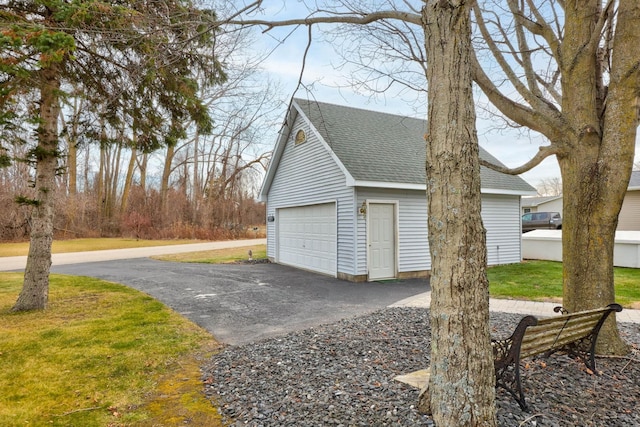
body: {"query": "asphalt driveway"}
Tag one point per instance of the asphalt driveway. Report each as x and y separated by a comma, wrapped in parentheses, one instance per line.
(241, 303)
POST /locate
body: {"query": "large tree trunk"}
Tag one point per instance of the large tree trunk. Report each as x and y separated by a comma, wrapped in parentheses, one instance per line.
(35, 289)
(596, 170)
(461, 387)
(591, 207)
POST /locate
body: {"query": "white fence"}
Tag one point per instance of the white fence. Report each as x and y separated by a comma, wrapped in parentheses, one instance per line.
(547, 245)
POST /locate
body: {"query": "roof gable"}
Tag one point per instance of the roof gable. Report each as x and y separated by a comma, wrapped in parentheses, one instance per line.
(387, 148)
(377, 149)
(372, 146)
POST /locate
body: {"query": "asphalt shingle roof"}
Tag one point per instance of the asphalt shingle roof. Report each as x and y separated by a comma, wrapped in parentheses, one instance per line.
(383, 147)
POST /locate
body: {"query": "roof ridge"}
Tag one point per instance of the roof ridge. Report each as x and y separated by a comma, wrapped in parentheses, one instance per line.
(377, 146)
(486, 155)
(331, 104)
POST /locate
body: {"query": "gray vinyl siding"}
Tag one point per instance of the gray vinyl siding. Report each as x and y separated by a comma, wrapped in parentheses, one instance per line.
(360, 249)
(501, 218)
(413, 245)
(500, 214)
(307, 175)
(629, 218)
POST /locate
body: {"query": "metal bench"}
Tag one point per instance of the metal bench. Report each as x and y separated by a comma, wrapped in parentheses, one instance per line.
(573, 333)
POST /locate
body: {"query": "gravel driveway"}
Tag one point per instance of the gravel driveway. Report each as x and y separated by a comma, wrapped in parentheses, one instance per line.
(242, 303)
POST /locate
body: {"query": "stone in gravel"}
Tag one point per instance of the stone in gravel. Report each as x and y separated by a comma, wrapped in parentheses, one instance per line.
(342, 374)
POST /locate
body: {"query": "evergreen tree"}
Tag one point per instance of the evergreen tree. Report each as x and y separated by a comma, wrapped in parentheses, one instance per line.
(134, 61)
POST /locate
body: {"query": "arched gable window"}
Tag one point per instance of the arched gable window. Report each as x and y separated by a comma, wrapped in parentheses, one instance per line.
(300, 137)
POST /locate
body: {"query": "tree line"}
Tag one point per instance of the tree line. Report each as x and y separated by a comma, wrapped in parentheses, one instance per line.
(91, 92)
(202, 187)
(148, 137)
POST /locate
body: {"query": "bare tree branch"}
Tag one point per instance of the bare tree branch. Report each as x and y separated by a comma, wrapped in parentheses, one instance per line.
(535, 101)
(543, 153)
(525, 52)
(384, 54)
(550, 187)
(542, 28)
(597, 32)
(247, 9)
(550, 86)
(304, 57)
(363, 19)
(549, 123)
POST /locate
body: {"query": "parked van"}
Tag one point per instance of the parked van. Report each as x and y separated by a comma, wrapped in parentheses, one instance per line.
(541, 220)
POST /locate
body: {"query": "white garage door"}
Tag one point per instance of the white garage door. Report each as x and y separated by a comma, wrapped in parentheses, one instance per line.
(307, 237)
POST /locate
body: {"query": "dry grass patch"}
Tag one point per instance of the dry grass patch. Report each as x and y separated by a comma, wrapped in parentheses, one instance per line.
(218, 256)
(178, 399)
(81, 245)
(95, 357)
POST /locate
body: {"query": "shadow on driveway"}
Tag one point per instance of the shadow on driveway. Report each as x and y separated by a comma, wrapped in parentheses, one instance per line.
(241, 303)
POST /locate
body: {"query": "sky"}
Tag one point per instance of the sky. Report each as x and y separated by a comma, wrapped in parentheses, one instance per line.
(284, 48)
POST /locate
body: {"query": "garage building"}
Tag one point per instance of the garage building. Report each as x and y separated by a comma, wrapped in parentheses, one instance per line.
(346, 196)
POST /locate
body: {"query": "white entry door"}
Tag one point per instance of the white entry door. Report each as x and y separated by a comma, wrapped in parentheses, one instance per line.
(382, 241)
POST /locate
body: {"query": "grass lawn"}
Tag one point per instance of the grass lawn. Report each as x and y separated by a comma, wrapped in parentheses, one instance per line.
(542, 281)
(79, 245)
(101, 354)
(218, 256)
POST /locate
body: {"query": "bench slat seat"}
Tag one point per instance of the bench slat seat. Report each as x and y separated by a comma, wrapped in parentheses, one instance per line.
(575, 334)
(542, 338)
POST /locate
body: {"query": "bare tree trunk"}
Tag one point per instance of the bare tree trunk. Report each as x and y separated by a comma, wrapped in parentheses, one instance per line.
(196, 195)
(103, 180)
(589, 230)
(142, 166)
(72, 165)
(109, 173)
(592, 135)
(35, 290)
(72, 150)
(100, 180)
(595, 176)
(128, 181)
(115, 178)
(461, 387)
(85, 172)
(166, 174)
(186, 178)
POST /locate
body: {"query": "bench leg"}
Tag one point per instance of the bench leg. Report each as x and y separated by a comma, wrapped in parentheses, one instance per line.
(508, 378)
(584, 350)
